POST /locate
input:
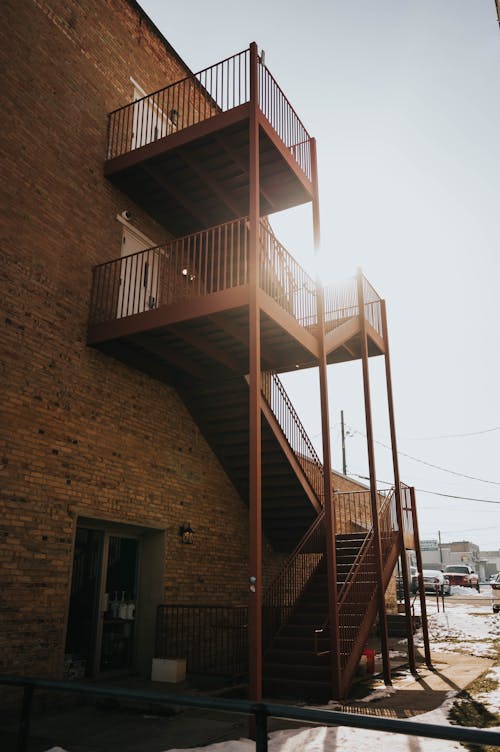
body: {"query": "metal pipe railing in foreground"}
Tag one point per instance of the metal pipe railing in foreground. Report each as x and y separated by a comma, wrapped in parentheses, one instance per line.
(261, 711)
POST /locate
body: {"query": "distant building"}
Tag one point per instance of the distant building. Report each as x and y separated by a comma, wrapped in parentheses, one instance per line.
(491, 560)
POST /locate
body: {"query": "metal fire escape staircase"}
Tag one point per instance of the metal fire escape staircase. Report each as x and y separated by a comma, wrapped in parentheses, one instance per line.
(296, 630)
(183, 313)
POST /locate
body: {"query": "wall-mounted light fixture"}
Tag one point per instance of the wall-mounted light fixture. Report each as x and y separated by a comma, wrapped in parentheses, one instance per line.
(186, 533)
(174, 117)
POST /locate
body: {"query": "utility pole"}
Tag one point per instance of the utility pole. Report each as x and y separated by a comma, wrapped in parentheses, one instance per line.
(440, 549)
(344, 463)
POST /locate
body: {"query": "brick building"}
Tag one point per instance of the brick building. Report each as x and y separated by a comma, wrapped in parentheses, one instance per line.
(124, 434)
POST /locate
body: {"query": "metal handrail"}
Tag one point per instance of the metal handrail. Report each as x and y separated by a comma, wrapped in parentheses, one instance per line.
(284, 280)
(190, 100)
(261, 711)
(201, 96)
(341, 304)
(282, 594)
(296, 435)
(356, 571)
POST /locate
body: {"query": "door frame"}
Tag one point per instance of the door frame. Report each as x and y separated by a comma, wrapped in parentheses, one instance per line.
(149, 584)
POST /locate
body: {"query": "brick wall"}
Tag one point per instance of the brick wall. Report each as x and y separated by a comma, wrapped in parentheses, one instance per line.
(81, 434)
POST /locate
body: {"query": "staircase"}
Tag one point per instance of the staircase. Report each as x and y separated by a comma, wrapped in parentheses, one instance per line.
(296, 632)
(291, 471)
(297, 663)
(297, 658)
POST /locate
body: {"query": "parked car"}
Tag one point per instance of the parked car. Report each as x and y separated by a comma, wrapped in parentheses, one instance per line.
(463, 575)
(434, 580)
(495, 594)
(414, 580)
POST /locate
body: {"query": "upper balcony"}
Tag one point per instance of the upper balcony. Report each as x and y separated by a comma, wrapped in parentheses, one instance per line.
(184, 308)
(182, 153)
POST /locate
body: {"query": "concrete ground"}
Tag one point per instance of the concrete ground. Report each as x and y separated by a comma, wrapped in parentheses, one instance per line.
(112, 727)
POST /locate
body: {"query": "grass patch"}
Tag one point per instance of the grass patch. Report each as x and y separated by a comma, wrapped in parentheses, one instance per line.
(467, 710)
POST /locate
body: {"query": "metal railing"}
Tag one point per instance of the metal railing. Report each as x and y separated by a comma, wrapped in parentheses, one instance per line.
(353, 512)
(284, 280)
(201, 96)
(373, 308)
(284, 120)
(212, 639)
(361, 581)
(341, 304)
(283, 410)
(205, 262)
(281, 596)
(260, 711)
(191, 100)
(407, 509)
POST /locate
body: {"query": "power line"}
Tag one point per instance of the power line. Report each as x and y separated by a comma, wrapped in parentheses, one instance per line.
(453, 435)
(452, 496)
(430, 464)
(434, 493)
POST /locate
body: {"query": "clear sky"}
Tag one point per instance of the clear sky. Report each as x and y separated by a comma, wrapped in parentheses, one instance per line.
(404, 101)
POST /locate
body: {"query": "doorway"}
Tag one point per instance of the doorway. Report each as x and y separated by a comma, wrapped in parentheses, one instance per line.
(102, 610)
(138, 290)
(116, 586)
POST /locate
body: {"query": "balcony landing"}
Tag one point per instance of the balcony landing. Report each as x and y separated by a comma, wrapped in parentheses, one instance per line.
(199, 177)
(210, 346)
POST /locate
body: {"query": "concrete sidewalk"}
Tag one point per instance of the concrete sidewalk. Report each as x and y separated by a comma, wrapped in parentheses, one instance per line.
(109, 727)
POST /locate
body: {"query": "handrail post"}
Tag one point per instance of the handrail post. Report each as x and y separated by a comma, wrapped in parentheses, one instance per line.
(373, 482)
(24, 721)
(260, 717)
(255, 459)
(421, 588)
(330, 521)
(397, 491)
(315, 200)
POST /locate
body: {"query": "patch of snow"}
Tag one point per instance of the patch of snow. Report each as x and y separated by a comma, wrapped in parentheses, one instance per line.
(469, 592)
(491, 699)
(378, 694)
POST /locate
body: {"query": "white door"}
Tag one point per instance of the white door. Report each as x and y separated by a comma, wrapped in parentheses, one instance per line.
(138, 274)
(149, 120)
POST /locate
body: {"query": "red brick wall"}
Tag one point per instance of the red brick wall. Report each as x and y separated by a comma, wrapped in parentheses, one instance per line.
(79, 432)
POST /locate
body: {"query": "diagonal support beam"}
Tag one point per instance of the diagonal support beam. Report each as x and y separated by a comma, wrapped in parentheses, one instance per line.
(242, 165)
(214, 186)
(213, 351)
(170, 357)
(240, 334)
(194, 209)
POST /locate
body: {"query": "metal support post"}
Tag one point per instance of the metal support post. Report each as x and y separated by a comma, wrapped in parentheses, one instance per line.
(260, 717)
(421, 588)
(330, 523)
(24, 723)
(397, 492)
(373, 483)
(255, 459)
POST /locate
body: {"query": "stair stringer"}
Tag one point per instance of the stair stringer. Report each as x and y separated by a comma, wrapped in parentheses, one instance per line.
(290, 454)
(348, 671)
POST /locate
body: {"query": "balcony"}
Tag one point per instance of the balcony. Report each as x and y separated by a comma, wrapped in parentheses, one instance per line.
(182, 308)
(182, 153)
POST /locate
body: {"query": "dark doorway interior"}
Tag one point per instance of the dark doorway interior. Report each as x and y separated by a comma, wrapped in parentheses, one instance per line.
(121, 594)
(84, 600)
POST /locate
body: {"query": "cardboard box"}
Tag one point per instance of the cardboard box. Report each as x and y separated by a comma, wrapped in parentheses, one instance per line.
(168, 670)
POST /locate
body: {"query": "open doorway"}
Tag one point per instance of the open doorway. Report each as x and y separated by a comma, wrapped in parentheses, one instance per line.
(116, 585)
